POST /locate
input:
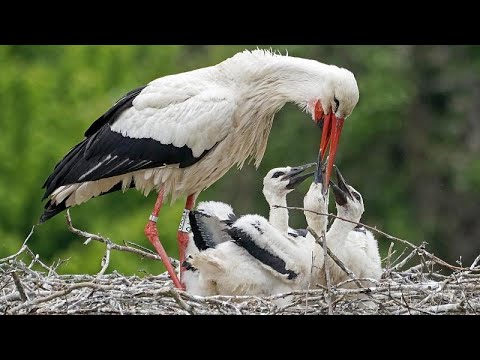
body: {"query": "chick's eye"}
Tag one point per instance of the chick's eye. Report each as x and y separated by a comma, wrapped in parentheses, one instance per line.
(357, 195)
(337, 103)
(277, 174)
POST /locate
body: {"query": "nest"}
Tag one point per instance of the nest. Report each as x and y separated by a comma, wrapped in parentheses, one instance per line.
(419, 289)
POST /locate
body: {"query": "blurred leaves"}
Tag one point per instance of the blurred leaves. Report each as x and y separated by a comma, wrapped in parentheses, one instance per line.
(410, 147)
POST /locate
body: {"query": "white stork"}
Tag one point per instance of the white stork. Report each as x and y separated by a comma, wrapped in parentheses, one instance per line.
(181, 133)
(353, 245)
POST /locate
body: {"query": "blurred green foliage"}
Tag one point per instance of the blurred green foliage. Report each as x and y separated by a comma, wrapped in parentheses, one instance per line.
(410, 147)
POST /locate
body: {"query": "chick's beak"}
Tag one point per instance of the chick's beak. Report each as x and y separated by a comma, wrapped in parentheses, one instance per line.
(341, 191)
(295, 177)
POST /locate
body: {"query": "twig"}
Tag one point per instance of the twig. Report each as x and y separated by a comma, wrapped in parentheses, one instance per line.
(138, 246)
(419, 267)
(389, 255)
(36, 260)
(19, 286)
(180, 302)
(397, 259)
(113, 246)
(475, 262)
(334, 258)
(327, 268)
(388, 236)
(22, 248)
(309, 281)
(404, 261)
(58, 294)
(105, 259)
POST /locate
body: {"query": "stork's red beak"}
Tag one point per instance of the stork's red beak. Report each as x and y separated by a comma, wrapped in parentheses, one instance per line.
(332, 129)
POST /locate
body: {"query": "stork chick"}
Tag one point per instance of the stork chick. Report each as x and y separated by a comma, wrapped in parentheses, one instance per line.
(277, 184)
(354, 246)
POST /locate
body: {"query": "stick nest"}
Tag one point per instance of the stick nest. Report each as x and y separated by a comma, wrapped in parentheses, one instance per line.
(430, 286)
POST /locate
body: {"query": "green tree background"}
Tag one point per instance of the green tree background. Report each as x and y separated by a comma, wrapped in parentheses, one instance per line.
(410, 147)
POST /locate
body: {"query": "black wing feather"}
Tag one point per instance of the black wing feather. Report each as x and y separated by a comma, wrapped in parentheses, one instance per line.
(116, 155)
(208, 231)
(106, 153)
(244, 240)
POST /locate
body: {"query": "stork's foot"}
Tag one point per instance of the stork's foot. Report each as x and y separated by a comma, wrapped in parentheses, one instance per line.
(151, 232)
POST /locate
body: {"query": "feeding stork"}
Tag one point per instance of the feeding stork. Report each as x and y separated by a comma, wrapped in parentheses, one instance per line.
(181, 133)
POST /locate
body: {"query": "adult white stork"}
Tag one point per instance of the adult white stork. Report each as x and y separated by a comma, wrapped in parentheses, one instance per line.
(181, 133)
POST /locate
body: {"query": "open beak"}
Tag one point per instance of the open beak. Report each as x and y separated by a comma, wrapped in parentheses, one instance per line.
(331, 131)
(341, 191)
(294, 176)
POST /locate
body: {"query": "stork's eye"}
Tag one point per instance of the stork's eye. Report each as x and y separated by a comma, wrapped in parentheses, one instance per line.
(357, 195)
(336, 103)
(277, 174)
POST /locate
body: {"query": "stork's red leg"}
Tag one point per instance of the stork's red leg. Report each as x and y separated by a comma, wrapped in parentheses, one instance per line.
(183, 230)
(151, 233)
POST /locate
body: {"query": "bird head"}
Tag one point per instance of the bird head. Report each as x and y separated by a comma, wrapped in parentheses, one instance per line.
(333, 103)
(349, 201)
(216, 208)
(281, 181)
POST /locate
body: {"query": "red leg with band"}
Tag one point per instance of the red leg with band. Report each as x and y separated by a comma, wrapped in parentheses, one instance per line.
(183, 230)
(151, 233)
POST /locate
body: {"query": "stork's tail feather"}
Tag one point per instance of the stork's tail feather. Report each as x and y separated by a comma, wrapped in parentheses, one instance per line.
(51, 210)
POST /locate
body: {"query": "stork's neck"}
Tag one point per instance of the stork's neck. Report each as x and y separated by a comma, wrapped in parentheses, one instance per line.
(278, 217)
(337, 235)
(313, 202)
(263, 83)
(274, 80)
